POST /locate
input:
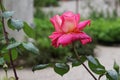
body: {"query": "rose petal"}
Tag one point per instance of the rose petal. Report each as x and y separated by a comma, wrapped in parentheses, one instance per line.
(83, 24)
(85, 41)
(56, 21)
(68, 24)
(66, 39)
(85, 38)
(54, 38)
(77, 17)
(68, 13)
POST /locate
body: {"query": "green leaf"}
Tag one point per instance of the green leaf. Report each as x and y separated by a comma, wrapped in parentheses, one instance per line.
(92, 60)
(39, 67)
(112, 75)
(18, 24)
(0, 25)
(2, 61)
(116, 67)
(75, 62)
(13, 45)
(19, 50)
(61, 68)
(30, 47)
(98, 69)
(28, 30)
(7, 14)
(4, 50)
(10, 25)
(78, 62)
(119, 76)
(14, 54)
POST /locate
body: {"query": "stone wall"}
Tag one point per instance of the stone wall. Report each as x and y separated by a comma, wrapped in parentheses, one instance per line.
(85, 7)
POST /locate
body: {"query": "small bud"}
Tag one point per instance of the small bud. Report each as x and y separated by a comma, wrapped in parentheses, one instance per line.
(5, 67)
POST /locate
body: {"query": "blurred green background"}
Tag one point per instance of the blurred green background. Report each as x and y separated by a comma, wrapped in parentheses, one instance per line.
(103, 30)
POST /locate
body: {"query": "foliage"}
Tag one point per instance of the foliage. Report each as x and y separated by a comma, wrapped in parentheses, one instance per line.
(95, 66)
(101, 71)
(10, 47)
(56, 58)
(105, 31)
(40, 14)
(39, 3)
(62, 67)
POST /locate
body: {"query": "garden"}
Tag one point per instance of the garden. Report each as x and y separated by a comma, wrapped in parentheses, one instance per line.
(46, 45)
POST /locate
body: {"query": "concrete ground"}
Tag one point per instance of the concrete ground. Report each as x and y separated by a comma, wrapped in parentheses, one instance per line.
(105, 54)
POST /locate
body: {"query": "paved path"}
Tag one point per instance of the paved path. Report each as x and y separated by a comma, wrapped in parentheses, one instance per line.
(106, 55)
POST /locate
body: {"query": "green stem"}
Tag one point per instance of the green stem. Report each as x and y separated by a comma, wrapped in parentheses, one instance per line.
(7, 41)
(6, 74)
(78, 57)
(99, 77)
(5, 67)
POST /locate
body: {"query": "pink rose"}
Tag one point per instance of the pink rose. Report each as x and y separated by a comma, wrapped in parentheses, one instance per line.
(68, 29)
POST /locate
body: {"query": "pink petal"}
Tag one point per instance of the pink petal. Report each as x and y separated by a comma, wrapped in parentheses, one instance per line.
(83, 24)
(56, 21)
(85, 38)
(66, 39)
(68, 23)
(54, 38)
(68, 13)
(85, 41)
(77, 17)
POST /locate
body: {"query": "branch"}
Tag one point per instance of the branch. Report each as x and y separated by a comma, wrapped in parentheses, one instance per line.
(7, 41)
(78, 57)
